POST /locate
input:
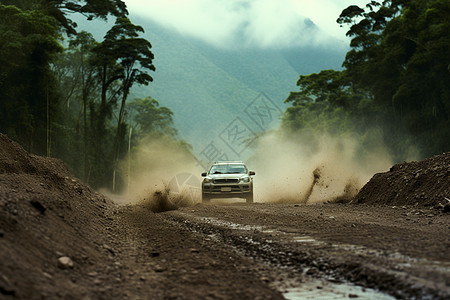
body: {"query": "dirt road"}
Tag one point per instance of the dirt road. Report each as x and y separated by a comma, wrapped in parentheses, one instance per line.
(303, 251)
(401, 251)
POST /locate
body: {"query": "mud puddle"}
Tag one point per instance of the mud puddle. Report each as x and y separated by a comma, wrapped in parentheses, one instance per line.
(400, 259)
(309, 288)
(295, 283)
(321, 289)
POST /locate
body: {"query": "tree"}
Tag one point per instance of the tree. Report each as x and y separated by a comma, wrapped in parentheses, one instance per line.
(395, 77)
(401, 55)
(78, 88)
(58, 9)
(135, 58)
(123, 58)
(150, 118)
(29, 40)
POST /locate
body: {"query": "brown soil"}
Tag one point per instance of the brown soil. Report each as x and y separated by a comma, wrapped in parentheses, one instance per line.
(130, 252)
(423, 183)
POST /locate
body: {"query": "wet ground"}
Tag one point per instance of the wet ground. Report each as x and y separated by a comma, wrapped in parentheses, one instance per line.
(332, 250)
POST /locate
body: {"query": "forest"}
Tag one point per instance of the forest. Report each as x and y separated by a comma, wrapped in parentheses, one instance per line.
(394, 85)
(64, 94)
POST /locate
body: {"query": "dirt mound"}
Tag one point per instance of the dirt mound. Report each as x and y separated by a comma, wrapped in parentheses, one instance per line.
(49, 222)
(423, 183)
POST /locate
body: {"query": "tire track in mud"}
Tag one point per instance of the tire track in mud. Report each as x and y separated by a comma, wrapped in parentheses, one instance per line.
(299, 258)
(166, 262)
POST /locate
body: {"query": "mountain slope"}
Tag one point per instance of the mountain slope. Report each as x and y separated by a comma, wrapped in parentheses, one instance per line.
(207, 88)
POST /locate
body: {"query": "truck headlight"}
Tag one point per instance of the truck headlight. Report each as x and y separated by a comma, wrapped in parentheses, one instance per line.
(244, 179)
(207, 180)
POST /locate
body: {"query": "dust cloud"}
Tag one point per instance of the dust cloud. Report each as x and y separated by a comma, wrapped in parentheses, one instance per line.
(302, 168)
(306, 168)
(160, 173)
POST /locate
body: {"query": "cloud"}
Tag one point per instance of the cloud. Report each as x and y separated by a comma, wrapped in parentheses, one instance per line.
(324, 14)
(248, 23)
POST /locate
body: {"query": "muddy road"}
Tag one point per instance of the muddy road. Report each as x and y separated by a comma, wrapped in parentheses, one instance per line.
(310, 251)
(398, 250)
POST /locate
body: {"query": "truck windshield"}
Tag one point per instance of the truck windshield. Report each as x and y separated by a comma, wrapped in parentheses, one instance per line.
(228, 169)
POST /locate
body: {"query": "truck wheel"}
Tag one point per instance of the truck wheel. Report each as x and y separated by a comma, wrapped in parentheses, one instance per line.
(206, 198)
(249, 198)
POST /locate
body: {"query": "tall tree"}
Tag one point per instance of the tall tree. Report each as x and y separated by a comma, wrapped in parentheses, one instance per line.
(124, 58)
(400, 53)
(78, 88)
(85, 43)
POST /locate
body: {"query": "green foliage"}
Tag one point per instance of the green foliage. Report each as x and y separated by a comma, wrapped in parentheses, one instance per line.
(78, 88)
(131, 59)
(395, 77)
(61, 102)
(149, 118)
(58, 9)
(29, 40)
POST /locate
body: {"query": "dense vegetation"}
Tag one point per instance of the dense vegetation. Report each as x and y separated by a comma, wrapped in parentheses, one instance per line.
(395, 81)
(71, 102)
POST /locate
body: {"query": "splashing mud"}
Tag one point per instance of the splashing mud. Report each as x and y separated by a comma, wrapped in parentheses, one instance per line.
(316, 174)
(152, 172)
(163, 200)
(312, 169)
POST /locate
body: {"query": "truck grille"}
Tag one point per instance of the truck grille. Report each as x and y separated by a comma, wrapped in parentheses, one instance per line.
(226, 180)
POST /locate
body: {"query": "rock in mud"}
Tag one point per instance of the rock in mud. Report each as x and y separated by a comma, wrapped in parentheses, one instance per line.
(64, 262)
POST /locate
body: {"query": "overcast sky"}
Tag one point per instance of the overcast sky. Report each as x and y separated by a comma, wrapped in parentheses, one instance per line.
(261, 23)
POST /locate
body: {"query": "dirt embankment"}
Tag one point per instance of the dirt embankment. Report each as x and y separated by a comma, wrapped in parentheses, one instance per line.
(423, 183)
(49, 222)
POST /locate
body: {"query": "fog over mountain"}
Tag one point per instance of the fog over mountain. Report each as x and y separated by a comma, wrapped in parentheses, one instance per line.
(248, 23)
(208, 87)
(223, 97)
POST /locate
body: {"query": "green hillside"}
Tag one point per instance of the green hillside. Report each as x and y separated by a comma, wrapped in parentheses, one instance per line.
(207, 88)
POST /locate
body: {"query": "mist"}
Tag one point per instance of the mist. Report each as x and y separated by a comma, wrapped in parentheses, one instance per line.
(248, 23)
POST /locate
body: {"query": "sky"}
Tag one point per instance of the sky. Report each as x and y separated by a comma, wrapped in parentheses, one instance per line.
(250, 23)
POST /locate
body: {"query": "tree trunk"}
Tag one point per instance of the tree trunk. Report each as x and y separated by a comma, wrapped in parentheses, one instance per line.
(120, 134)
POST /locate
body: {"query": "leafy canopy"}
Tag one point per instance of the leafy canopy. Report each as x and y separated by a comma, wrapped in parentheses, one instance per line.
(396, 76)
(59, 9)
